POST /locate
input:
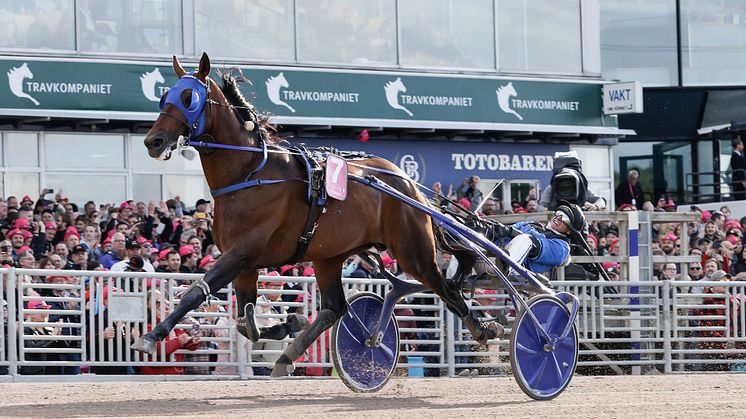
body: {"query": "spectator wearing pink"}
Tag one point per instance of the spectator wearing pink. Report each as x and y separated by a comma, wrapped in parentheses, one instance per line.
(27, 201)
(177, 339)
(170, 261)
(16, 237)
(189, 259)
(72, 237)
(205, 264)
(668, 243)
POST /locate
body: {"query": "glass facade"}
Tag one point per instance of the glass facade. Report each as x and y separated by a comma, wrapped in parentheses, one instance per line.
(137, 26)
(536, 36)
(347, 31)
(260, 29)
(712, 42)
(539, 36)
(447, 33)
(107, 168)
(638, 41)
(41, 24)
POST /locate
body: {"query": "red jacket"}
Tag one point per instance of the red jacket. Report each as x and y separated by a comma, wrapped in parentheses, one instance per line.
(172, 345)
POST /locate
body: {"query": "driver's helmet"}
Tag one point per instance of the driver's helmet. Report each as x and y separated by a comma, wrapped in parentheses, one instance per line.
(573, 217)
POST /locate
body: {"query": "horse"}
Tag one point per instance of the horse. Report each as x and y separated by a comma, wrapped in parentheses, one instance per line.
(258, 227)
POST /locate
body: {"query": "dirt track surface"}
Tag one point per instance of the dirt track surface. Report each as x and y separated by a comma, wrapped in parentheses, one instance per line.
(716, 395)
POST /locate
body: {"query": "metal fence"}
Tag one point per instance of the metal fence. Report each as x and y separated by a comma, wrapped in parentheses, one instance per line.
(638, 326)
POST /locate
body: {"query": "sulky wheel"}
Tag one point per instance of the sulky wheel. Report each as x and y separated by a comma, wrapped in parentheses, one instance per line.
(543, 370)
(363, 368)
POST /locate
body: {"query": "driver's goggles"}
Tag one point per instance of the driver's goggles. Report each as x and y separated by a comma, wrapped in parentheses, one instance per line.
(563, 216)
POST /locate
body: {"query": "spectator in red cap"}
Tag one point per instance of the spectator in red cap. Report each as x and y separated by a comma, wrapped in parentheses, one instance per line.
(170, 261)
(26, 201)
(16, 237)
(37, 314)
(189, 259)
(205, 264)
(668, 243)
(72, 237)
(520, 210)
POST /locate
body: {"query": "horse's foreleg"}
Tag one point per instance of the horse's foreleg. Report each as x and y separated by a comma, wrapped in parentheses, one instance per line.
(245, 286)
(333, 306)
(218, 277)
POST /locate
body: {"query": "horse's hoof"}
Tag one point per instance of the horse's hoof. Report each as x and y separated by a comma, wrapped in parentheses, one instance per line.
(282, 370)
(492, 330)
(246, 324)
(144, 344)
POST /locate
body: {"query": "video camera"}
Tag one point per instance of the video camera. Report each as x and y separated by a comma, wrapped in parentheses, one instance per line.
(568, 182)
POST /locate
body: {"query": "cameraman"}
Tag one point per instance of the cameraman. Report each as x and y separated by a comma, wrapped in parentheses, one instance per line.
(569, 184)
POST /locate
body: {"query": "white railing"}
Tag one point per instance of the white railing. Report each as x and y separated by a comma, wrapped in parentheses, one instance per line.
(671, 326)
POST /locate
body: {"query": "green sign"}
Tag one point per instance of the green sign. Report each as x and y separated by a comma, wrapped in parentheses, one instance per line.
(358, 98)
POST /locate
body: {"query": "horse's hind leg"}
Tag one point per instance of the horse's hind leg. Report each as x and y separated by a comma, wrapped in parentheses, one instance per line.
(333, 306)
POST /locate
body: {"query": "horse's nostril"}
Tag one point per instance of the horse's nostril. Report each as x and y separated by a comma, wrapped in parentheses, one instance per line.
(156, 142)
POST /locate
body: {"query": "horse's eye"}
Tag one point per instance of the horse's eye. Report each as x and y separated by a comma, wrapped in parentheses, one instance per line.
(186, 98)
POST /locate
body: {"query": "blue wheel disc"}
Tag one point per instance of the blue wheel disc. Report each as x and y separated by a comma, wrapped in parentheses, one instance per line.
(543, 370)
(362, 368)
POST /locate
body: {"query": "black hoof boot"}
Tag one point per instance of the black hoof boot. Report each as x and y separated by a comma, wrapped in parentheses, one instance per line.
(491, 330)
(246, 324)
(296, 322)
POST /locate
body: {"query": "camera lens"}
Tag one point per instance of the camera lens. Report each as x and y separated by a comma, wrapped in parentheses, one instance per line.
(5, 249)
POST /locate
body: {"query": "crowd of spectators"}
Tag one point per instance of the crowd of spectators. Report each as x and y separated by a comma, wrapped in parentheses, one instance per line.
(172, 237)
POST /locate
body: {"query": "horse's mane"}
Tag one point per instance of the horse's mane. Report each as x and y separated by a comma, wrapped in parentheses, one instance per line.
(245, 109)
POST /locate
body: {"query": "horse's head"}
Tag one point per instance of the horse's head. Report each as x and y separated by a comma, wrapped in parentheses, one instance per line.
(508, 90)
(182, 110)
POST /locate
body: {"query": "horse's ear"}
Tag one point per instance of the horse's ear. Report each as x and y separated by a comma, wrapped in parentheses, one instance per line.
(178, 69)
(204, 66)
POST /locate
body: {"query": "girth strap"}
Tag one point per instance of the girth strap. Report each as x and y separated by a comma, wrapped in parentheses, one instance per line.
(318, 199)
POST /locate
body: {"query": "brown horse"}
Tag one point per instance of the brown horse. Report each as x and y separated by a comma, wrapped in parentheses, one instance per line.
(259, 226)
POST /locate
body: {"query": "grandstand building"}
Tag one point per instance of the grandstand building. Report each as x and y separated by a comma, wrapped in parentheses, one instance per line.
(444, 88)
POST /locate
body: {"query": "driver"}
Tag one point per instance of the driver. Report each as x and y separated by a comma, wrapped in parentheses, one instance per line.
(541, 247)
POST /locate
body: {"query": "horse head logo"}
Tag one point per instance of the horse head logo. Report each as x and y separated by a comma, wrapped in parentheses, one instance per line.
(392, 89)
(504, 93)
(274, 84)
(16, 76)
(148, 81)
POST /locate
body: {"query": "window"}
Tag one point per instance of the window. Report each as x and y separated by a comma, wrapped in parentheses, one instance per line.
(188, 188)
(142, 26)
(146, 188)
(22, 149)
(447, 33)
(88, 151)
(249, 29)
(20, 184)
(80, 189)
(539, 35)
(45, 24)
(347, 31)
(638, 41)
(713, 50)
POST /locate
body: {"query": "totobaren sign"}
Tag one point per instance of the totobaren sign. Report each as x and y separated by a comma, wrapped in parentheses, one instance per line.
(56, 87)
